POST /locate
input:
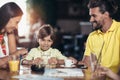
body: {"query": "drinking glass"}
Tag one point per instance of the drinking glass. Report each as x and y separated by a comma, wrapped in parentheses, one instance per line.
(45, 57)
(14, 64)
(95, 63)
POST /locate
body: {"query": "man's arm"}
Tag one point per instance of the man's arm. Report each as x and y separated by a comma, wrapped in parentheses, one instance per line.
(85, 61)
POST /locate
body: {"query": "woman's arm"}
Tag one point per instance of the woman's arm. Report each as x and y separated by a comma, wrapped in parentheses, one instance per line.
(4, 60)
(11, 42)
(109, 73)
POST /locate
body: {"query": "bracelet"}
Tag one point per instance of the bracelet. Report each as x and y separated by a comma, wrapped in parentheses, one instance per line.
(12, 32)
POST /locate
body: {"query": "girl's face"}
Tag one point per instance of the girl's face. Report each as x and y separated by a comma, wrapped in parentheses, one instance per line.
(12, 24)
(45, 43)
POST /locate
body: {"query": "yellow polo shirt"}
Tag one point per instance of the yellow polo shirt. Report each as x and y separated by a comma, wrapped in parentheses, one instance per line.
(45, 55)
(111, 46)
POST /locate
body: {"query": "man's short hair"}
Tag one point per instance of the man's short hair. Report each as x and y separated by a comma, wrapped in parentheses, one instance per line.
(105, 5)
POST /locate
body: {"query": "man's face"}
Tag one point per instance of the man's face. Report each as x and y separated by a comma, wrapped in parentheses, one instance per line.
(96, 18)
(45, 43)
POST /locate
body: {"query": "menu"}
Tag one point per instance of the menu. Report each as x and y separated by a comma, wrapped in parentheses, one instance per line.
(64, 72)
(35, 77)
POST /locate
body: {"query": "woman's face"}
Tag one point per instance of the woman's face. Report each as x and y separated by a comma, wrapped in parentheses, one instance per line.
(45, 43)
(12, 24)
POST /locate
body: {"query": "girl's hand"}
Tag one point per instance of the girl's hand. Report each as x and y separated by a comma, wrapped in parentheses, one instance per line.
(73, 59)
(53, 60)
(37, 61)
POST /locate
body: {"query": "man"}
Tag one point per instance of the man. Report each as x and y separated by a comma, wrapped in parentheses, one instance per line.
(104, 41)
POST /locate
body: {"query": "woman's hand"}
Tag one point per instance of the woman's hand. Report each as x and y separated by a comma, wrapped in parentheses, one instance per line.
(22, 52)
(104, 71)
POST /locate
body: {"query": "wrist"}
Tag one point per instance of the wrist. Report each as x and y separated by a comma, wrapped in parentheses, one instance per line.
(10, 57)
(26, 62)
(12, 32)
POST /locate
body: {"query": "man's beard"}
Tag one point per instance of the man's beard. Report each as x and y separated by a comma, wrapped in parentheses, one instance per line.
(96, 26)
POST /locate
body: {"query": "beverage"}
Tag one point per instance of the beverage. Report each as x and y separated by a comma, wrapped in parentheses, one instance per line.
(14, 65)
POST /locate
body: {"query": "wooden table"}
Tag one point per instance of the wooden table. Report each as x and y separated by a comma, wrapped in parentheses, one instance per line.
(7, 75)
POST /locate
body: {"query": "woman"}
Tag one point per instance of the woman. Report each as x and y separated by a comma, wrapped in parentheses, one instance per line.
(10, 15)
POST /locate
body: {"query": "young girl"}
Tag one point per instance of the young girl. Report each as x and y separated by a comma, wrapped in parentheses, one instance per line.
(45, 53)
